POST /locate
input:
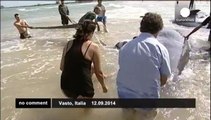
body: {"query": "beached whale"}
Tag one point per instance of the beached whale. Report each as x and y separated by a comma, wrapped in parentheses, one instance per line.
(174, 42)
(177, 48)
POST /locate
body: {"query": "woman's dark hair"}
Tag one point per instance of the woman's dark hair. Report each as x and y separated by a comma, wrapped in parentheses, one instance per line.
(84, 29)
(151, 23)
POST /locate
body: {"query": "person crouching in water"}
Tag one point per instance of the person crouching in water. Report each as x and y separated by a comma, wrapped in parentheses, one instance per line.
(91, 15)
(144, 67)
(78, 55)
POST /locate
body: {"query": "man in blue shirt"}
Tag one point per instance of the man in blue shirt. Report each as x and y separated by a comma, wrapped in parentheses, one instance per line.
(144, 65)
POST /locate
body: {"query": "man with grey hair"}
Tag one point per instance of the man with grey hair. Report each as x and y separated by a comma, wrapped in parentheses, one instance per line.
(144, 67)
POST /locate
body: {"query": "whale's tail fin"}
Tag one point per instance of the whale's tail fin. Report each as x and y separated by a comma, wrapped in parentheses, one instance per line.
(184, 58)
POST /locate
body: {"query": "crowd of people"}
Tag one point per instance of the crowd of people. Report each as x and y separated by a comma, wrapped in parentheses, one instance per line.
(98, 15)
(144, 64)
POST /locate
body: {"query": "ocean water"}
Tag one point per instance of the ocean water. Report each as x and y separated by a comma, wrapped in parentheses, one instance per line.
(30, 67)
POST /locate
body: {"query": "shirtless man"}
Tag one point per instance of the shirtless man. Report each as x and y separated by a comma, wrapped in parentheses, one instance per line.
(101, 16)
(22, 26)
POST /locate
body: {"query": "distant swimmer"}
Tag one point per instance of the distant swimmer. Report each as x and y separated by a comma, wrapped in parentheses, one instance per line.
(22, 26)
(90, 16)
(64, 12)
(76, 64)
(101, 16)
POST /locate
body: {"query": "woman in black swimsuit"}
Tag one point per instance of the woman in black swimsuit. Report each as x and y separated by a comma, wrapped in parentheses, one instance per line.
(78, 55)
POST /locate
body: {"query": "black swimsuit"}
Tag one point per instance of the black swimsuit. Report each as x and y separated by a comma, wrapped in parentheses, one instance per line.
(76, 75)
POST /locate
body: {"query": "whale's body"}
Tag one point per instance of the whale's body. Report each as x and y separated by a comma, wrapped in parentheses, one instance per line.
(178, 51)
(174, 42)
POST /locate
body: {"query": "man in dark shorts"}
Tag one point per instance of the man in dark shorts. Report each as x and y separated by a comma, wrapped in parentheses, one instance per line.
(101, 16)
(64, 12)
(22, 26)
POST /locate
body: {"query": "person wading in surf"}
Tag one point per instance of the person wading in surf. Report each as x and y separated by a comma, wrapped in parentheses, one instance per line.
(144, 66)
(64, 12)
(101, 16)
(78, 55)
(22, 26)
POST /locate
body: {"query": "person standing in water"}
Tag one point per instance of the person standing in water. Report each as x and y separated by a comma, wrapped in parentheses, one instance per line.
(64, 12)
(22, 26)
(144, 66)
(78, 55)
(191, 4)
(101, 16)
